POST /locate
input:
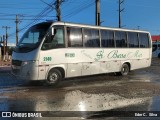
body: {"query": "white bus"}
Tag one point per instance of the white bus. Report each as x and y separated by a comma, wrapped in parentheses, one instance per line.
(156, 49)
(53, 51)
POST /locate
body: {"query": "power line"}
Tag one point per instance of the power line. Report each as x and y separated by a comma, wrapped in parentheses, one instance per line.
(79, 9)
(37, 18)
(18, 8)
(49, 9)
(21, 19)
(24, 15)
(47, 4)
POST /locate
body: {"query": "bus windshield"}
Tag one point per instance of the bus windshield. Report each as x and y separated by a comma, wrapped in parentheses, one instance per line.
(32, 38)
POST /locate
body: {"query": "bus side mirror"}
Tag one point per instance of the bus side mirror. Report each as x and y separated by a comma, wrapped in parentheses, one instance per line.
(53, 31)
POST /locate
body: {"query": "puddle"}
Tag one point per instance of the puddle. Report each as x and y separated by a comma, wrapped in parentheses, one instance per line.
(80, 101)
(6, 80)
(13, 91)
(155, 106)
(143, 76)
(4, 106)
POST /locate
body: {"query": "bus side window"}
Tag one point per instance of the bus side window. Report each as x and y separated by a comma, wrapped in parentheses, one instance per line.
(107, 38)
(74, 37)
(144, 40)
(46, 44)
(58, 38)
(54, 41)
(91, 38)
(121, 39)
(133, 40)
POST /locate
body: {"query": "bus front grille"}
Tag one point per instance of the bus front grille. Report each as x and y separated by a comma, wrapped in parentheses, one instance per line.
(16, 71)
(16, 62)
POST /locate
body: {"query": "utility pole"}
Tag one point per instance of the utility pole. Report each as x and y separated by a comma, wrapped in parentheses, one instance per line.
(98, 12)
(120, 11)
(1, 39)
(4, 47)
(58, 10)
(16, 21)
(6, 27)
(1, 49)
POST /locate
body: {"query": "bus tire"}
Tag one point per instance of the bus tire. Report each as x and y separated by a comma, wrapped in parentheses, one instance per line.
(124, 70)
(159, 55)
(54, 77)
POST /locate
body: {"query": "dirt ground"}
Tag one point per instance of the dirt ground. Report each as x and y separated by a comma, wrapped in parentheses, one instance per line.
(139, 91)
(5, 63)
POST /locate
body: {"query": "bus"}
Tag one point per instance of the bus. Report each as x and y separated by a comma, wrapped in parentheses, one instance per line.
(53, 51)
(156, 49)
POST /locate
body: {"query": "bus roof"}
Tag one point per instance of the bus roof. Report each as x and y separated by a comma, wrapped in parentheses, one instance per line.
(96, 27)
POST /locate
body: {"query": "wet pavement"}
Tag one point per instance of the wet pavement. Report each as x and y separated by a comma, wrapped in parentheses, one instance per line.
(92, 97)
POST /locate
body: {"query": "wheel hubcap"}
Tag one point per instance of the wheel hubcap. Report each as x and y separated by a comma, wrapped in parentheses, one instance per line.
(125, 70)
(53, 77)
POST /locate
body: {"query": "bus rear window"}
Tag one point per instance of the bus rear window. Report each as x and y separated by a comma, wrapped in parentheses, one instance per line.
(144, 40)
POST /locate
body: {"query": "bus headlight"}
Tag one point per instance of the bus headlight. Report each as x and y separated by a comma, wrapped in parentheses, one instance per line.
(24, 63)
(28, 62)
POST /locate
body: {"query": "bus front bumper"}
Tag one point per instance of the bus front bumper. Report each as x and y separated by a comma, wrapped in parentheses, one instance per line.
(28, 71)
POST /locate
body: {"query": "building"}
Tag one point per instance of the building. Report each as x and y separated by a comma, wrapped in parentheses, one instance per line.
(10, 48)
(0, 51)
(156, 46)
(155, 38)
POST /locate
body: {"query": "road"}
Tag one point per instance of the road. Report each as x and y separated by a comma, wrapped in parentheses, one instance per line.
(98, 94)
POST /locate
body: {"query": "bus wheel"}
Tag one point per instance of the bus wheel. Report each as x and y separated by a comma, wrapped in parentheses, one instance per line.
(54, 77)
(159, 55)
(124, 69)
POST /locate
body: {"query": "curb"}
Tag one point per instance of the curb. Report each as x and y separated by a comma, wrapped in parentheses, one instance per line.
(5, 69)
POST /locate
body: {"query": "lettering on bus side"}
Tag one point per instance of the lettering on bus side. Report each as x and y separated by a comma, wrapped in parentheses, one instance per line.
(99, 55)
(116, 54)
(70, 55)
(47, 58)
(136, 54)
(86, 54)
